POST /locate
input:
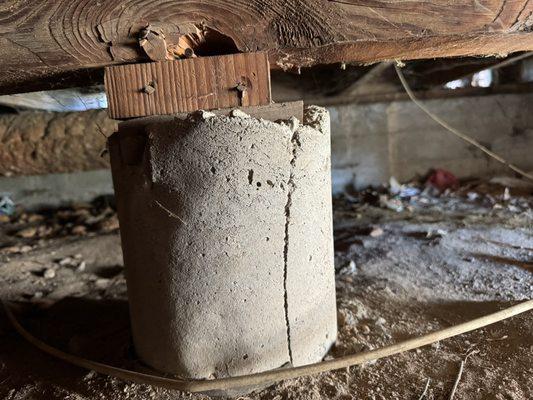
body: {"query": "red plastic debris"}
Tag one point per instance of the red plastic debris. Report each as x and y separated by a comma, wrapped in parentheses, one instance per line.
(442, 180)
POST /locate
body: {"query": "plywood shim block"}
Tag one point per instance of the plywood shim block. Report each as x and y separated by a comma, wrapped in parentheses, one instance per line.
(203, 83)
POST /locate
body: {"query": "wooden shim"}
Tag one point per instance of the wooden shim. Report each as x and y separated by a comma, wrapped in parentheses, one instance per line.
(202, 83)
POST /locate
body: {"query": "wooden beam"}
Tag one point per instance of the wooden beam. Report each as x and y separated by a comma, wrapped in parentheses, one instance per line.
(46, 41)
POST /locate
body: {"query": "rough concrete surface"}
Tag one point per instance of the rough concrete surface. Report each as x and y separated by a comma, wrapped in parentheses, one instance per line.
(220, 217)
(54, 190)
(309, 236)
(372, 142)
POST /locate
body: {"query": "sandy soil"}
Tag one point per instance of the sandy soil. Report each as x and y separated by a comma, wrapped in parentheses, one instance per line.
(436, 262)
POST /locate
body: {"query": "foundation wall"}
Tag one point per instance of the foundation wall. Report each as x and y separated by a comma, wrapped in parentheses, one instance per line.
(369, 142)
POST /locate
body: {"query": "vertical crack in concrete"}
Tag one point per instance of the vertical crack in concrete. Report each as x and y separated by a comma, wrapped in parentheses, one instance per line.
(291, 186)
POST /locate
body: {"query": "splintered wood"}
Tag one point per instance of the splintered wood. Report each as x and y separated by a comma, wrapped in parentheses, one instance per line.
(204, 83)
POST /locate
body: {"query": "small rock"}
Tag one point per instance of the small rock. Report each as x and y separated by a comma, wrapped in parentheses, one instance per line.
(365, 330)
(27, 232)
(206, 114)
(25, 249)
(67, 261)
(43, 230)
(4, 218)
(49, 273)
(292, 123)
(79, 230)
(506, 194)
(35, 218)
(439, 233)
(351, 267)
(89, 375)
(38, 295)
(376, 232)
(109, 224)
(81, 266)
(102, 283)
(11, 250)
(472, 196)
(391, 204)
(238, 114)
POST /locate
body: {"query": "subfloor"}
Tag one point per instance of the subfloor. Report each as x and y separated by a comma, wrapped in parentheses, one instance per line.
(404, 267)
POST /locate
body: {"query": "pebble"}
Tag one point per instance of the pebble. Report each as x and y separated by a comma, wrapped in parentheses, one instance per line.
(35, 218)
(67, 261)
(206, 114)
(90, 375)
(351, 267)
(102, 283)
(435, 345)
(79, 230)
(81, 267)
(16, 249)
(49, 273)
(365, 330)
(238, 114)
(27, 232)
(376, 232)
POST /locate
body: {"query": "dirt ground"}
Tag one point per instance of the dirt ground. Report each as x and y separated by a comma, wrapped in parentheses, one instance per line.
(404, 267)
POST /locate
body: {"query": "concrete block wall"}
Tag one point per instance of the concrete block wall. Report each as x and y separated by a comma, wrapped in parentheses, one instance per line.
(372, 142)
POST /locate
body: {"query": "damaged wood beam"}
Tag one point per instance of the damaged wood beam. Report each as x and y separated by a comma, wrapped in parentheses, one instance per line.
(41, 41)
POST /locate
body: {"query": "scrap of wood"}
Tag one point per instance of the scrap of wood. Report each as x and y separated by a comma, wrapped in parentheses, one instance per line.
(202, 83)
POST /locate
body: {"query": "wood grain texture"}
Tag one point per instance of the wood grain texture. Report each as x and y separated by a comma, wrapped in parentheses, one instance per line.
(46, 43)
(204, 83)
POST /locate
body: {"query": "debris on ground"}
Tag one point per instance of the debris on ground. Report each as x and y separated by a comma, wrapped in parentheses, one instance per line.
(7, 206)
(441, 180)
(77, 220)
(444, 258)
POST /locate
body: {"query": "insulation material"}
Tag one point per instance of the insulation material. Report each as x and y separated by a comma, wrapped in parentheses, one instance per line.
(226, 228)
